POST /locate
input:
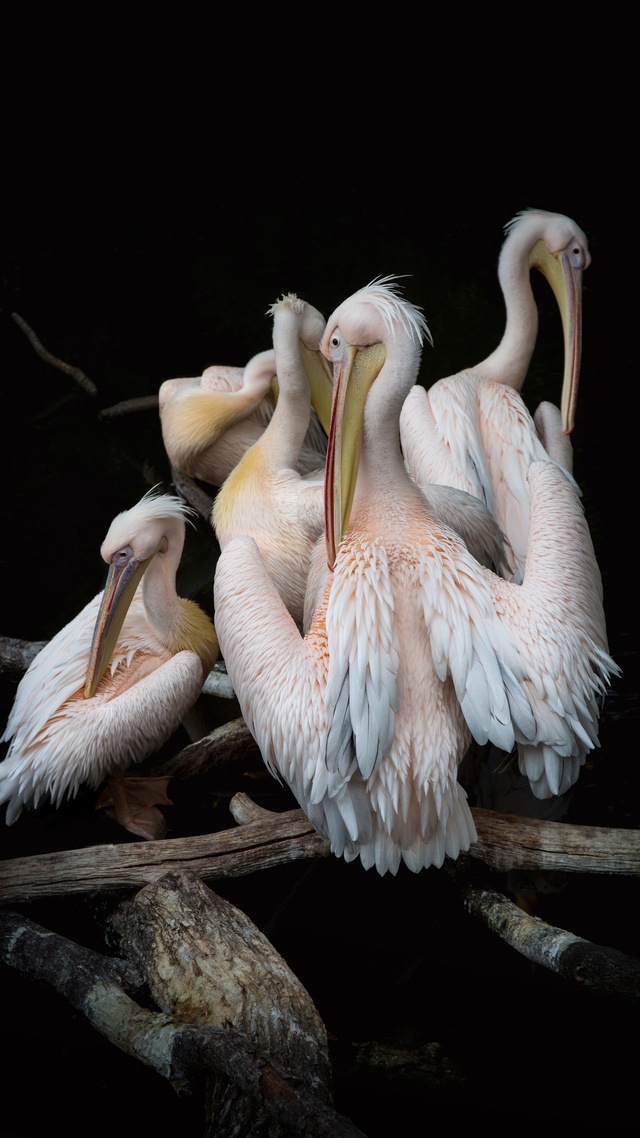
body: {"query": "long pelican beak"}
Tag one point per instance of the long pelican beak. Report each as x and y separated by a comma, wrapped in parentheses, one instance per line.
(320, 381)
(566, 281)
(123, 579)
(353, 376)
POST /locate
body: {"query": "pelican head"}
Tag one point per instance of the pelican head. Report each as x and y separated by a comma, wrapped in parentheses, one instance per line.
(560, 250)
(291, 314)
(150, 529)
(374, 327)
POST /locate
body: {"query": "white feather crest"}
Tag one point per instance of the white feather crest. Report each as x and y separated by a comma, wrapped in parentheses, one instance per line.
(383, 293)
(153, 506)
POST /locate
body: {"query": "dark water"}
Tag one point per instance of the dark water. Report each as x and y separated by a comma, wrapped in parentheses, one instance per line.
(139, 298)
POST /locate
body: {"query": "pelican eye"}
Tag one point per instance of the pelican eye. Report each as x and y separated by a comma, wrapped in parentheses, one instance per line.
(122, 556)
(336, 347)
(577, 257)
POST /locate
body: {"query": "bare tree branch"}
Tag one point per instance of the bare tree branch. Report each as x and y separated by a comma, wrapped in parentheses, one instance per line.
(130, 407)
(510, 841)
(75, 372)
(271, 839)
(231, 853)
(177, 1050)
(17, 655)
(201, 502)
(594, 967)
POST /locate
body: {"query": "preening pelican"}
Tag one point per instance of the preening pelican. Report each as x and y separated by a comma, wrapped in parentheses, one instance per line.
(209, 422)
(113, 685)
(415, 647)
(265, 496)
(473, 430)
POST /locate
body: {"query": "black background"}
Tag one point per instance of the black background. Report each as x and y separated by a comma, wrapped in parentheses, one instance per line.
(140, 271)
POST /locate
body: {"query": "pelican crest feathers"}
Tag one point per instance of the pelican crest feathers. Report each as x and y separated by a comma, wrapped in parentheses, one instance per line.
(385, 296)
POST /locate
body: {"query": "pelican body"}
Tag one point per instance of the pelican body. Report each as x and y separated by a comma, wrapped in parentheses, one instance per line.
(473, 430)
(115, 683)
(415, 647)
(265, 496)
(209, 422)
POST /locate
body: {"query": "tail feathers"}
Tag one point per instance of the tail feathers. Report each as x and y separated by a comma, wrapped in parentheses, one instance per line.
(381, 839)
(549, 773)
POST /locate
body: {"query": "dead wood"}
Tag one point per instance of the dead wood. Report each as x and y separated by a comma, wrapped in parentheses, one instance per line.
(193, 494)
(205, 962)
(509, 841)
(75, 372)
(172, 1045)
(271, 839)
(231, 853)
(228, 745)
(594, 967)
(17, 655)
(130, 407)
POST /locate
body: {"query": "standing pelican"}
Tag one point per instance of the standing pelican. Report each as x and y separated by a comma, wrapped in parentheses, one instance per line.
(114, 684)
(265, 496)
(472, 430)
(209, 422)
(414, 647)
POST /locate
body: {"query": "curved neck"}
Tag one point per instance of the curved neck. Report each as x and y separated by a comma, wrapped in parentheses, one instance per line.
(510, 360)
(282, 440)
(382, 467)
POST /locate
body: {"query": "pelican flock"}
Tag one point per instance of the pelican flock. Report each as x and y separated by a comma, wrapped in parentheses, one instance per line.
(414, 647)
(421, 579)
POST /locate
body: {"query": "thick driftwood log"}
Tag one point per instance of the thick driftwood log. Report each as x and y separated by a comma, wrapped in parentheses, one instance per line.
(269, 839)
(230, 853)
(205, 962)
(509, 841)
(178, 1051)
(595, 967)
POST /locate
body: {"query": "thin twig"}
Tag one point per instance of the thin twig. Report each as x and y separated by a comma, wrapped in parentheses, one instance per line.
(75, 372)
(130, 406)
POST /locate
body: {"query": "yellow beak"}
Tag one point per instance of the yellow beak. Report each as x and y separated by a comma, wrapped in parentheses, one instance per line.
(320, 381)
(122, 581)
(353, 376)
(566, 281)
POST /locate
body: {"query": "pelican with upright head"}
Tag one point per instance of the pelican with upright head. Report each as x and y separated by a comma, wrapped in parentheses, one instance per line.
(472, 430)
(414, 647)
(115, 683)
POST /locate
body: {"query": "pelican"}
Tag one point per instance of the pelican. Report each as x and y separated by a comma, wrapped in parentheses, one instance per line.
(114, 684)
(473, 430)
(265, 496)
(415, 648)
(209, 422)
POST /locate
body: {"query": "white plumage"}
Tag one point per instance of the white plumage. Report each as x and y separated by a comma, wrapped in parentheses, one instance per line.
(414, 647)
(148, 672)
(265, 496)
(473, 430)
(209, 422)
